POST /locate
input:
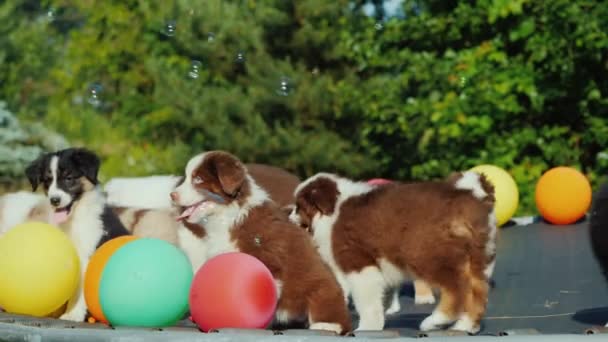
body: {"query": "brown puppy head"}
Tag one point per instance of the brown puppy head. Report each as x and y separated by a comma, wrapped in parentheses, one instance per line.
(316, 197)
(212, 180)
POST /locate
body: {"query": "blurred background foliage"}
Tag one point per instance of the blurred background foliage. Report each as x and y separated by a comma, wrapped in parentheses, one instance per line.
(402, 89)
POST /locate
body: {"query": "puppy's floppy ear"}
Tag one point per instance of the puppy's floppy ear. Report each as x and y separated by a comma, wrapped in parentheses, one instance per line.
(33, 171)
(87, 162)
(230, 171)
(322, 203)
(323, 198)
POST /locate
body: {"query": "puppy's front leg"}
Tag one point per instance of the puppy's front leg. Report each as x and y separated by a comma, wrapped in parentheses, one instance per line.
(77, 307)
(395, 306)
(368, 291)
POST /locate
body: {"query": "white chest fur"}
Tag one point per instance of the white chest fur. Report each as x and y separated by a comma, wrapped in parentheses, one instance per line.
(85, 227)
(194, 247)
(323, 238)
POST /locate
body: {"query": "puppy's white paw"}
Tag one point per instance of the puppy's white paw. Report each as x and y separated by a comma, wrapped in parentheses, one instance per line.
(326, 326)
(370, 325)
(394, 308)
(424, 299)
(434, 321)
(75, 315)
(606, 325)
(465, 323)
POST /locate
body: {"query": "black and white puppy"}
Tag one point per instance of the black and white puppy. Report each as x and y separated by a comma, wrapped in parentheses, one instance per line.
(69, 180)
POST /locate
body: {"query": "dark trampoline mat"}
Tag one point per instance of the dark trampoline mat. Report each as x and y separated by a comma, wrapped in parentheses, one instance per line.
(546, 282)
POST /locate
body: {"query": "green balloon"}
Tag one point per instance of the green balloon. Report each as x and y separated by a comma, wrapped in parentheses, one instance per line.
(146, 283)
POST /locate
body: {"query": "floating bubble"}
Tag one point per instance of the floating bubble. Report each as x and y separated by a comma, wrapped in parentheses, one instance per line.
(169, 28)
(240, 57)
(50, 14)
(463, 81)
(285, 86)
(195, 69)
(94, 93)
(210, 37)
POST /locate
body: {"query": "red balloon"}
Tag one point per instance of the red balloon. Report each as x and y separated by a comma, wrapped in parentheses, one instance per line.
(378, 181)
(233, 290)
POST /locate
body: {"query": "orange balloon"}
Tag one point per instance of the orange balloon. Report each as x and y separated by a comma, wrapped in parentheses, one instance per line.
(94, 270)
(563, 195)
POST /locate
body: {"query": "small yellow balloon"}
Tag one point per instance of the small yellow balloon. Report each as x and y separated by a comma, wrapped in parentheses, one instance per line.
(39, 269)
(505, 191)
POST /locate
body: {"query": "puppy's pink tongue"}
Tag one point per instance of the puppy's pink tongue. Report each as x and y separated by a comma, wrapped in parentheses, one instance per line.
(59, 216)
(187, 212)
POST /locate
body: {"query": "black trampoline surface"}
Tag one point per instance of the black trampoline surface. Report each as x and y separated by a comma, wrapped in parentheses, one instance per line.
(546, 282)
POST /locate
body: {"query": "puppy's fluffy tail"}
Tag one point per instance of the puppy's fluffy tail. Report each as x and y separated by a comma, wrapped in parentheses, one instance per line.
(477, 183)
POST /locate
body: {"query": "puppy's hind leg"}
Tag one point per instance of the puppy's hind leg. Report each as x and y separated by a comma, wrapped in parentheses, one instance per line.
(328, 309)
(423, 293)
(368, 291)
(450, 303)
(475, 302)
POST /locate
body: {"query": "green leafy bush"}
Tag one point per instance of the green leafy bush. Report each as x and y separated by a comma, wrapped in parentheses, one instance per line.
(518, 84)
(316, 85)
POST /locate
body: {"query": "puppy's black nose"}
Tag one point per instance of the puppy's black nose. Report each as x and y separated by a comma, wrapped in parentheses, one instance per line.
(55, 201)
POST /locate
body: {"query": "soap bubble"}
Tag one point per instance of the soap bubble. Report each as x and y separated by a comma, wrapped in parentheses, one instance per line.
(240, 57)
(210, 37)
(169, 28)
(285, 86)
(50, 14)
(94, 94)
(195, 69)
(463, 81)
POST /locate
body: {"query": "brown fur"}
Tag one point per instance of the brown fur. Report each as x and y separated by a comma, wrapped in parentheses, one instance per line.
(289, 253)
(196, 229)
(309, 288)
(223, 176)
(279, 183)
(431, 229)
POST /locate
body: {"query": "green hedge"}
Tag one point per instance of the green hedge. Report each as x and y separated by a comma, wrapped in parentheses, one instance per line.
(444, 86)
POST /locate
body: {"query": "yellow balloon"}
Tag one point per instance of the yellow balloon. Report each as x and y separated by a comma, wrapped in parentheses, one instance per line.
(39, 269)
(505, 191)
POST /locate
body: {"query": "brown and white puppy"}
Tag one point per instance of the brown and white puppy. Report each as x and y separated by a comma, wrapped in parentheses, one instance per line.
(439, 232)
(152, 192)
(238, 215)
